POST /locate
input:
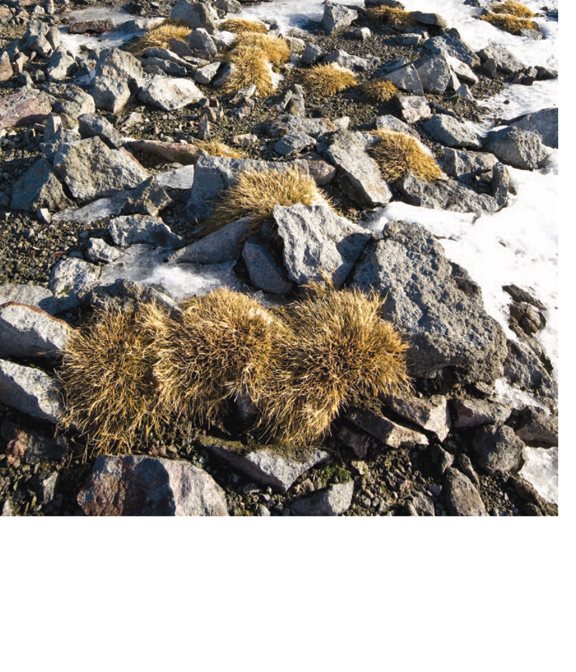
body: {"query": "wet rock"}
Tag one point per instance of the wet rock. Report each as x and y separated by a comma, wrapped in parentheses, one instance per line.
(90, 169)
(336, 17)
(434, 303)
(406, 78)
(471, 413)
(332, 501)
(516, 147)
(460, 495)
(497, 448)
(264, 465)
(445, 195)
(434, 72)
(131, 229)
(413, 108)
(225, 244)
(116, 76)
(27, 332)
(358, 176)
(265, 271)
(143, 486)
(388, 432)
(429, 413)
(195, 14)
(31, 295)
(544, 122)
(38, 188)
(24, 107)
(30, 391)
(316, 240)
(452, 132)
(169, 93)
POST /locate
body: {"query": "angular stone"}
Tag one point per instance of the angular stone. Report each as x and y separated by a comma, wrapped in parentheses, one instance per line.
(266, 273)
(264, 465)
(225, 244)
(207, 73)
(407, 79)
(452, 132)
(195, 14)
(496, 59)
(128, 485)
(388, 432)
(131, 229)
(516, 147)
(467, 166)
(6, 70)
(202, 44)
(173, 152)
(540, 469)
(536, 428)
(471, 413)
(30, 391)
(292, 143)
(331, 501)
(462, 70)
(429, 19)
(451, 44)
(24, 107)
(414, 108)
(336, 17)
(38, 188)
(389, 122)
(317, 240)
(61, 65)
(69, 277)
(460, 495)
(28, 332)
(498, 448)
(169, 93)
(544, 122)
(70, 100)
(117, 74)
(95, 125)
(429, 413)
(31, 295)
(434, 303)
(314, 126)
(434, 73)
(97, 251)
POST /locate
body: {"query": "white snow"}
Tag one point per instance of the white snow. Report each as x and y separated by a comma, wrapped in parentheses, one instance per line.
(541, 470)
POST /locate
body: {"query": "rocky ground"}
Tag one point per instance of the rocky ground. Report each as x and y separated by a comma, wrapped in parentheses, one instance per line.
(104, 197)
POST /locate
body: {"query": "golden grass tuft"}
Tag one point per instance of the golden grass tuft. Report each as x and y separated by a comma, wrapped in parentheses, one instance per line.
(218, 349)
(108, 383)
(276, 49)
(250, 67)
(328, 80)
(509, 23)
(380, 90)
(217, 148)
(160, 37)
(399, 154)
(243, 26)
(336, 353)
(393, 16)
(256, 194)
(514, 8)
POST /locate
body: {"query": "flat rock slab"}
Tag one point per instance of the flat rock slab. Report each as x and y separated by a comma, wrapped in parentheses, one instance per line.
(385, 430)
(429, 413)
(24, 107)
(29, 332)
(132, 229)
(170, 93)
(31, 295)
(30, 391)
(264, 465)
(143, 486)
(452, 132)
(332, 501)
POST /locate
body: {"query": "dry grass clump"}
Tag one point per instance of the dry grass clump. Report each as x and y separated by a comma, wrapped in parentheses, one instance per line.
(218, 349)
(337, 353)
(160, 37)
(276, 49)
(399, 154)
(509, 23)
(217, 148)
(243, 26)
(328, 80)
(108, 383)
(380, 90)
(513, 8)
(393, 16)
(250, 67)
(256, 194)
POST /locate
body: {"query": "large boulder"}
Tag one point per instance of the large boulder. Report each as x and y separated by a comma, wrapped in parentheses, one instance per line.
(30, 391)
(127, 485)
(544, 122)
(516, 147)
(434, 303)
(28, 332)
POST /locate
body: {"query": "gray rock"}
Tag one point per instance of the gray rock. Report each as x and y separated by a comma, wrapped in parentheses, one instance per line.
(463, 71)
(544, 122)
(202, 44)
(207, 73)
(461, 496)
(441, 458)
(132, 229)
(527, 367)
(516, 147)
(90, 169)
(311, 54)
(314, 126)
(346, 60)
(445, 195)
(70, 100)
(317, 240)
(58, 132)
(331, 501)
(30, 391)
(61, 65)
(180, 179)
(31, 295)
(496, 59)
(434, 303)
(414, 108)
(464, 92)
(97, 251)
(434, 73)
(336, 17)
(38, 188)
(6, 70)
(195, 14)
(148, 198)
(464, 464)
(469, 166)
(293, 143)
(94, 125)
(536, 428)
(92, 212)
(264, 464)
(421, 504)
(407, 79)
(471, 413)
(27, 332)
(451, 44)
(265, 272)
(170, 93)
(452, 132)
(25, 106)
(116, 76)
(498, 448)
(70, 277)
(358, 174)
(429, 413)
(429, 19)
(128, 485)
(389, 122)
(225, 244)
(388, 432)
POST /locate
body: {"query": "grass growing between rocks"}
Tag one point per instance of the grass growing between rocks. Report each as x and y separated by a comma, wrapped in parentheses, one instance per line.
(328, 80)
(510, 23)
(513, 8)
(239, 26)
(392, 16)
(380, 90)
(399, 154)
(276, 49)
(251, 67)
(161, 36)
(218, 148)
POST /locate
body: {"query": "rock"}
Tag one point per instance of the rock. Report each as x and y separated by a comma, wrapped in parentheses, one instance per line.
(116, 76)
(61, 65)
(540, 469)
(445, 195)
(544, 122)
(70, 100)
(225, 244)
(528, 368)
(434, 303)
(263, 464)
(535, 427)
(389, 122)
(97, 251)
(195, 14)
(90, 169)
(450, 44)
(497, 448)
(348, 61)
(336, 17)
(429, 19)
(460, 495)
(173, 152)
(332, 501)
(94, 125)
(177, 179)
(316, 240)
(469, 166)
(38, 188)
(169, 93)
(420, 504)
(24, 107)
(132, 229)
(314, 126)
(429, 413)
(389, 433)
(27, 332)
(148, 198)
(463, 71)
(413, 108)
(30, 391)
(128, 485)
(441, 458)
(202, 44)
(69, 277)
(30, 447)
(293, 143)
(496, 59)
(471, 413)
(311, 54)
(516, 147)
(92, 212)
(207, 73)
(358, 174)
(6, 70)
(434, 72)
(452, 132)
(31, 295)
(407, 79)
(265, 272)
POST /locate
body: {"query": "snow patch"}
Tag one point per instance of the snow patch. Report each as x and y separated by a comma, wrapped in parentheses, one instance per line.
(541, 470)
